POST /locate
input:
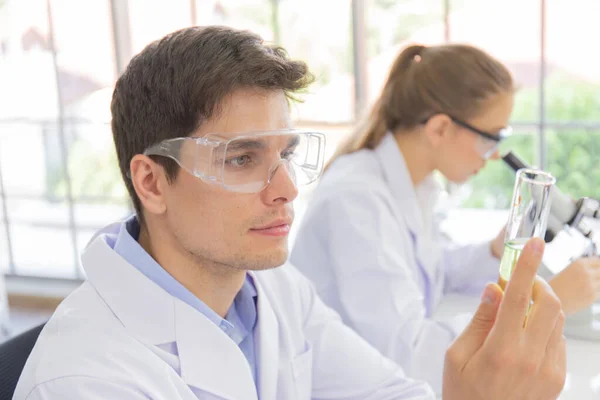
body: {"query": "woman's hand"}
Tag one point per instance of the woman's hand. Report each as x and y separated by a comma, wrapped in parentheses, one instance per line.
(578, 285)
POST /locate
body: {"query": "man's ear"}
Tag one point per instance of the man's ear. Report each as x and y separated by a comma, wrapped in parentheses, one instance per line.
(437, 129)
(149, 181)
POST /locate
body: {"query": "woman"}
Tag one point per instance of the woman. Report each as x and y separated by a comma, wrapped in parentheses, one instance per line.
(370, 240)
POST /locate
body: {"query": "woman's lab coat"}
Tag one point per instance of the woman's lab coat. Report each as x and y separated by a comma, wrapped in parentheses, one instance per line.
(120, 336)
(370, 243)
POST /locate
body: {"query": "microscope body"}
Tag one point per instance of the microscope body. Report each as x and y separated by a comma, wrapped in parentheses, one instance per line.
(565, 247)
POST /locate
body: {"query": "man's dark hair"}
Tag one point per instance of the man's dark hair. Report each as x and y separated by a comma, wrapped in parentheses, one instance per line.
(178, 82)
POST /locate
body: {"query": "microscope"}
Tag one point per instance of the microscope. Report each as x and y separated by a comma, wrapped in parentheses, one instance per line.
(572, 233)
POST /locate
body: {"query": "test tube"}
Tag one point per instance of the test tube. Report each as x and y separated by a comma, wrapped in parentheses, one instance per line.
(528, 216)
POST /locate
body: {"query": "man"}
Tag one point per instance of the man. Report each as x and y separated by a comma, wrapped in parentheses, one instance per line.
(188, 300)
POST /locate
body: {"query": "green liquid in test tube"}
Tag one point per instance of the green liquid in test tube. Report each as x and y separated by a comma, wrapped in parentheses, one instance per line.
(528, 216)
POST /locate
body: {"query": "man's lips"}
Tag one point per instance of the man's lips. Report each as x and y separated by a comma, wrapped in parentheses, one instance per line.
(280, 227)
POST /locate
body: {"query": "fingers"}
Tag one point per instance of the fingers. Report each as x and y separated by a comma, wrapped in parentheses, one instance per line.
(596, 261)
(542, 320)
(553, 371)
(556, 349)
(591, 263)
(513, 309)
(474, 335)
(593, 268)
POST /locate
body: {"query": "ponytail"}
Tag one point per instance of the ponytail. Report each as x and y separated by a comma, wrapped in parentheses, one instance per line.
(452, 79)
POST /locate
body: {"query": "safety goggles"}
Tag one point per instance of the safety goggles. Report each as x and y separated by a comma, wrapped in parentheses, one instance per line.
(246, 163)
(487, 143)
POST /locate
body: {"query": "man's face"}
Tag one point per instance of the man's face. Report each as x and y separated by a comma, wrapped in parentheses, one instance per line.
(240, 230)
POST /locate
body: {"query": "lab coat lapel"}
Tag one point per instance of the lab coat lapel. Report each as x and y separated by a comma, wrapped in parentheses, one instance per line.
(399, 181)
(428, 195)
(147, 317)
(209, 359)
(267, 342)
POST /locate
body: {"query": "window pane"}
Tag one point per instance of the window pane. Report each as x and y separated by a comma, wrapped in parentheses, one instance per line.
(325, 43)
(93, 216)
(492, 187)
(27, 76)
(86, 63)
(513, 35)
(152, 19)
(574, 159)
(90, 158)
(29, 157)
(93, 166)
(393, 25)
(573, 81)
(41, 238)
(255, 15)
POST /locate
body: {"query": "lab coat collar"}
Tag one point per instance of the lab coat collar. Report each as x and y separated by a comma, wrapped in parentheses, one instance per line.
(415, 204)
(209, 359)
(267, 341)
(397, 176)
(149, 317)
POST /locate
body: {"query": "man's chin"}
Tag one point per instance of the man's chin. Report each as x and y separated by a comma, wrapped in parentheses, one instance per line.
(271, 260)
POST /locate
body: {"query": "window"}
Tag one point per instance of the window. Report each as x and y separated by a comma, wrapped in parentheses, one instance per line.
(561, 134)
(572, 97)
(259, 16)
(46, 166)
(320, 33)
(150, 20)
(68, 185)
(394, 25)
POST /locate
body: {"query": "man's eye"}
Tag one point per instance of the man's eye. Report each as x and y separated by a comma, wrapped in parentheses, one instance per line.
(239, 161)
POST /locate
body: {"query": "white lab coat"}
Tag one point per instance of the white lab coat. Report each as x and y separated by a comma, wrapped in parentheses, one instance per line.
(120, 336)
(370, 243)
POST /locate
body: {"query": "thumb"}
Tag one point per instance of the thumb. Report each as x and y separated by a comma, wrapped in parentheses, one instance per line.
(482, 322)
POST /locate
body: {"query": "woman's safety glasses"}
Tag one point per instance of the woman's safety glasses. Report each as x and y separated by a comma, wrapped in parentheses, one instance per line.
(247, 162)
(487, 143)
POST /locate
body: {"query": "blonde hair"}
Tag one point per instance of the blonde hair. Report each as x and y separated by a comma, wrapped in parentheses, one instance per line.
(451, 79)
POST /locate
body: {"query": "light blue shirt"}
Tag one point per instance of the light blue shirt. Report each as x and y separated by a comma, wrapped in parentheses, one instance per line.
(240, 321)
